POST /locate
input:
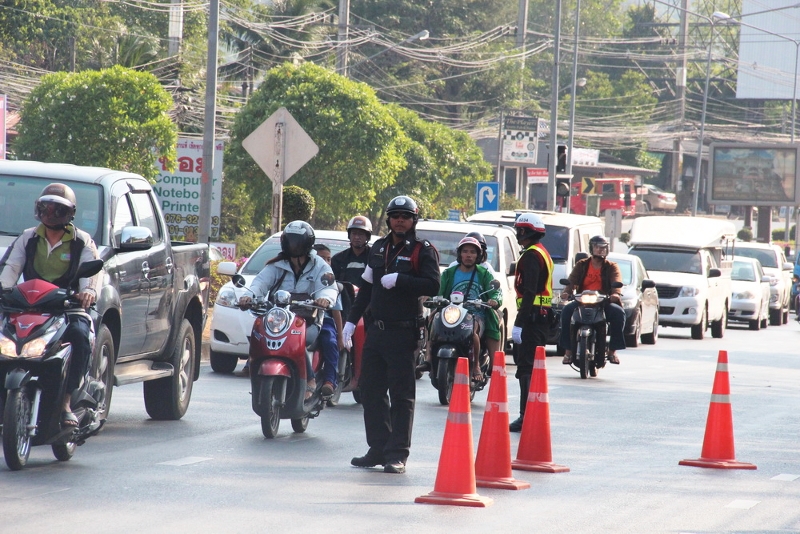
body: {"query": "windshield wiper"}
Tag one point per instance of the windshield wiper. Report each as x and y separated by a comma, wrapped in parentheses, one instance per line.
(3, 232)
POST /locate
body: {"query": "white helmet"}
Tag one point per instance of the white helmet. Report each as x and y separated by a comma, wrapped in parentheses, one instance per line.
(529, 225)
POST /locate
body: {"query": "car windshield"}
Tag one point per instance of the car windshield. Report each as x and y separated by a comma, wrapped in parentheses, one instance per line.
(272, 246)
(19, 193)
(743, 271)
(446, 243)
(556, 241)
(625, 268)
(680, 261)
(765, 256)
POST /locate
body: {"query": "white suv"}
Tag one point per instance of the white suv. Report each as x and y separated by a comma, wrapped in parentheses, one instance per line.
(775, 265)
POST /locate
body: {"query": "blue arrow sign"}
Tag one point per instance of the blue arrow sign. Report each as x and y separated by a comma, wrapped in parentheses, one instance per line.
(487, 196)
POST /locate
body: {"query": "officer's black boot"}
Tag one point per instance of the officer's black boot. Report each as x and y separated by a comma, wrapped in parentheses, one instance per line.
(524, 386)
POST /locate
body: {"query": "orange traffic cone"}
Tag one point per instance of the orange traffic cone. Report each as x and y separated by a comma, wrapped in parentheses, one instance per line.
(455, 479)
(718, 442)
(534, 452)
(493, 461)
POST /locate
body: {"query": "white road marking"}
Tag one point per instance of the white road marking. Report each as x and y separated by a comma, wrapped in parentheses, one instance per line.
(742, 504)
(186, 461)
(787, 477)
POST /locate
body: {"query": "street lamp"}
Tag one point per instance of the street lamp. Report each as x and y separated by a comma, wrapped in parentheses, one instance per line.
(421, 36)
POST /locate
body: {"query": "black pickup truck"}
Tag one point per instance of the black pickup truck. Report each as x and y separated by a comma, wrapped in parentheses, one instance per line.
(152, 300)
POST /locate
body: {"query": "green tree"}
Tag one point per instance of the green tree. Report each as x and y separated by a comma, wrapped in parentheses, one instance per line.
(113, 118)
(298, 204)
(361, 146)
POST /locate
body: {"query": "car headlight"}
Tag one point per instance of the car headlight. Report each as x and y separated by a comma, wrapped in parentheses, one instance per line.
(689, 291)
(629, 304)
(744, 295)
(451, 314)
(227, 297)
(276, 320)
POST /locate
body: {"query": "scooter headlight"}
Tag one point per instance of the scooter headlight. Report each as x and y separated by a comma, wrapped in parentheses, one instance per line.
(451, 314)
(277, 319)
(37, 347)
(7, 347)
(590, 298)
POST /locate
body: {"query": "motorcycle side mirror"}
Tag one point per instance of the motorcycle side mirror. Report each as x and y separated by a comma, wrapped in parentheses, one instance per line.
(494, 284)
(564, 282)
(648, 284)
(238, 280)
(328, 279)
(617, 285)
(89, 268)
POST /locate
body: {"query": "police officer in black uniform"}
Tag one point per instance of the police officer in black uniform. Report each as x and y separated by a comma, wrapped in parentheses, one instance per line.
(401, 269)
(348, 265)
(533, 283)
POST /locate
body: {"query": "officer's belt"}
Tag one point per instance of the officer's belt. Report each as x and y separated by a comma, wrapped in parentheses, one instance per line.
(393, 325)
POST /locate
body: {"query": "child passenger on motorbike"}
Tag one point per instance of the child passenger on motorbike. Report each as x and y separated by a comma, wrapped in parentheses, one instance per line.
(331, 340)
(472, 279)
(299, 270)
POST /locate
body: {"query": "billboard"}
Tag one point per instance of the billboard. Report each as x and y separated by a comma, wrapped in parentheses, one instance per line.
(519, 140)
(179, 191)
(753, 175)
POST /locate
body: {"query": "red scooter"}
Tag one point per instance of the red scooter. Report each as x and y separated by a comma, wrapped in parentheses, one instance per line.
(34, 362)
(350, 360)
(280, 344)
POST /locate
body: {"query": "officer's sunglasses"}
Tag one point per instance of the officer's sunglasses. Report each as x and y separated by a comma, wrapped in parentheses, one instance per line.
(401, 215)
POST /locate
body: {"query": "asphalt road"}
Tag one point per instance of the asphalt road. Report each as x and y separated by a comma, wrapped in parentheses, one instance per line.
(622, 436)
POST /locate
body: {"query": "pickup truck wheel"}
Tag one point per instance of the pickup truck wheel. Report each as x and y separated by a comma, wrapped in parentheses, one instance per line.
(223, 363)
(775, 317)
(785, 318)
(718, 327)
(651, 338)
(167, 399)
(104, 359)
(699, 330)
(633, 339)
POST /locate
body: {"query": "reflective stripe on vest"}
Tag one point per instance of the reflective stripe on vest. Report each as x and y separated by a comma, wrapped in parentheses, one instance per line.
(544, 297)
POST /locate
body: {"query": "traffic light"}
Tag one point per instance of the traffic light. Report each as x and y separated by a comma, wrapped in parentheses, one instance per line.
(561, 162)
(562, 187)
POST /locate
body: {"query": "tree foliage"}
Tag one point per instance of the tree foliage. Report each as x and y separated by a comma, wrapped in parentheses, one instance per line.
(298, 204)
(114, 118)
(361, 146)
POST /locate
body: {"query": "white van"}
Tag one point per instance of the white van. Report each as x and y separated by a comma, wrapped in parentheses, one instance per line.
(567, 235)
(690, 260)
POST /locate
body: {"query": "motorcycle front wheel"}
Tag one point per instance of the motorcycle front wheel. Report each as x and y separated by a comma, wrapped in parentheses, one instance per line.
(583, 356)
(445, 376)
(16, 439)
(271, 414)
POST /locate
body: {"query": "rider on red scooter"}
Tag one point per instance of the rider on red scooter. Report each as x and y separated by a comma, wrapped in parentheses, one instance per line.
(299, 271)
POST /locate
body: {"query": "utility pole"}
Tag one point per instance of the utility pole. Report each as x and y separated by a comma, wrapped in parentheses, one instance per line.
(680, 85)
(175, 30)
(341, 49)
(522, 31)
(551, 180)
(209, 125)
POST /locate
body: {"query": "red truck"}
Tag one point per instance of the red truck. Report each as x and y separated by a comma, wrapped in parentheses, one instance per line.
(615, 194)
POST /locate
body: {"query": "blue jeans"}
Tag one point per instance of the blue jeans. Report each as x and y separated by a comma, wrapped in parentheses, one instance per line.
(329, 347)
(77, 333)
(616, 325)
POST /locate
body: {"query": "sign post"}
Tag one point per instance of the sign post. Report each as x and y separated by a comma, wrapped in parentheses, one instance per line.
(280, 147)
(487, 196)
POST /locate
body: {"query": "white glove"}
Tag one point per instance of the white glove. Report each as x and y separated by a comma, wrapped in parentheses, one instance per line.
(367, 274)
(389, 280)
(516, 334)
(347, 333)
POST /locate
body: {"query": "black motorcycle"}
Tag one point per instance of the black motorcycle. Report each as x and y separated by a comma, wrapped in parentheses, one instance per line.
(34, 363)
(588, 328)
(451, 338)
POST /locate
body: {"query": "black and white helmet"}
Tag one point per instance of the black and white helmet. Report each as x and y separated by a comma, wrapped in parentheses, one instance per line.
(56, 206)
(601, 243)
(297, 239)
